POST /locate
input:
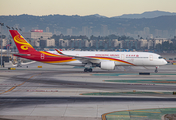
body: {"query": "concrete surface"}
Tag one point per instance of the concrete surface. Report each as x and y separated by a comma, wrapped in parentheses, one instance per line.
(53, 92)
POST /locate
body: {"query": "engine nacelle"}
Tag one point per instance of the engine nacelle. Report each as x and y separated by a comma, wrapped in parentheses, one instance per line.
(107, 65)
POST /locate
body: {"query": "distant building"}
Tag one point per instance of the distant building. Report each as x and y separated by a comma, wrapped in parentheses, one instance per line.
(50, 42)
(57, 32)
(4, 42)
(158, 33)
(47, 43)
(158, 41)
(141, 34)
(151, 36)
(42, 43)
(120, 44)
(88, 43)
(36, 34)
(104, 30)
(69, 32)
(37, 37)
(143, 43)
(115, 43)
(147, 31)
(47, 29)
(63, 43)
(86, 31)
(150, 44)
(34, 42)
(161, 40)
(77, 43)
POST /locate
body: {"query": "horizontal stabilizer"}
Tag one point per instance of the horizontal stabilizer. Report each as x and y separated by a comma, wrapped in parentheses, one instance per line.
(20, 54)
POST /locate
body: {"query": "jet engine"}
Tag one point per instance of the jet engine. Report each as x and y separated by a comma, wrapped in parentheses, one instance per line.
(107, 65)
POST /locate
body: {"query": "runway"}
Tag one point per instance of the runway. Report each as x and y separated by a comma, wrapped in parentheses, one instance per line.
(56, 92)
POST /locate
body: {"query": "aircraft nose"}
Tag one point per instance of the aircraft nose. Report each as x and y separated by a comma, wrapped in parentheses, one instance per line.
(165, 62)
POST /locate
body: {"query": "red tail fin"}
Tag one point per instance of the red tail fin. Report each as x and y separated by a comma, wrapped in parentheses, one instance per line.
(22, 45)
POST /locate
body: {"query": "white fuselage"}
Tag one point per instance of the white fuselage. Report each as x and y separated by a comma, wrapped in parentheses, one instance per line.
(119, 58)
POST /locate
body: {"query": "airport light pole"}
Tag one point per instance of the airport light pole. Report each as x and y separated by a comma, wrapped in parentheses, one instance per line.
(2, 24)
(8, 28)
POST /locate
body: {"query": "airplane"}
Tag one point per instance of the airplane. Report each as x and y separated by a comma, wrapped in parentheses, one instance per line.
(88, 59)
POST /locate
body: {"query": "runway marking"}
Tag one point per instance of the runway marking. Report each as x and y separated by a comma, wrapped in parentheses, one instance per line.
(153, 113)
(122, 68)
(126, 116)
(8, 84)
(138, 116)
(159, 92)
(144, 81)
(42, 90)
(12, 88)
(164, 81)
(145, 111)
(145, 67)
(150, 93)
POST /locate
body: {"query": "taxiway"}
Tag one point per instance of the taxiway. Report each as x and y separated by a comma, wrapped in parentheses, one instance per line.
(57, 92)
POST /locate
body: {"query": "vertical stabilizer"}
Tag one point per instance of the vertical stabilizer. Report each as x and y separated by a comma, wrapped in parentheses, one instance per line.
(22, 45)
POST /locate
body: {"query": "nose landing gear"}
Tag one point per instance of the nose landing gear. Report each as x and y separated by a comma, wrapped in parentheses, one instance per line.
(156, 70)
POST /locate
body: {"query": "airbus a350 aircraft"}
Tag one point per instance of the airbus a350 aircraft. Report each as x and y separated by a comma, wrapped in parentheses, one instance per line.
(87, 59)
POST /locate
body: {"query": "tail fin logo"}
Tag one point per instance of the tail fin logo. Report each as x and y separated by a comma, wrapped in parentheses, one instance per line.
(24, 44)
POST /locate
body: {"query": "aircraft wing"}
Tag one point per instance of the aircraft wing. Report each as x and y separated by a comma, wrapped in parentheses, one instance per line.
(81, 58)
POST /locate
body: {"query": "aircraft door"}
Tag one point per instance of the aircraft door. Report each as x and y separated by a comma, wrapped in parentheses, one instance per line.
(151, 57)
(42, 56)
(122, 56)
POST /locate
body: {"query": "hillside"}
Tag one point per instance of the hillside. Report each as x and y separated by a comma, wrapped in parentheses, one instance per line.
(150, 14)
(91, 23)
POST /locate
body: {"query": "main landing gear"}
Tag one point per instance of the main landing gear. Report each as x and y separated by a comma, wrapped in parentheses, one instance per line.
(156, 70)
(88, 67)
(88, 70)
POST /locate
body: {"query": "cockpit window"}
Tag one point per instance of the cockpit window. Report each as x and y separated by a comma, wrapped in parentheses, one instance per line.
(160, 57)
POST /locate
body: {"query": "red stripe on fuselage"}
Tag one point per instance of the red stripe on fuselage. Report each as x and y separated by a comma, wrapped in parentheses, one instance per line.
(46, 58)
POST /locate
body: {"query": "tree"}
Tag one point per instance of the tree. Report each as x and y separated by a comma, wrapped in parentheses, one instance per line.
(165, 46)
(113, 36)
(133, 47)
(93, 47)
(159, 47)
(51, 47)
(101, 47)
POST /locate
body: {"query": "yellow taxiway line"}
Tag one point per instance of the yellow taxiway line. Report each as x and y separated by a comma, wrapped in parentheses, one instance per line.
(12, 88)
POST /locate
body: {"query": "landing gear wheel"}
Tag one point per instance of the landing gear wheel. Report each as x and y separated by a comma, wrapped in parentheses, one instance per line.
(90, 70)
(85, 70)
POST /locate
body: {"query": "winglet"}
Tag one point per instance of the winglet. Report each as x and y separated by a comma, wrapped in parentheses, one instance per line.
(59, 52)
